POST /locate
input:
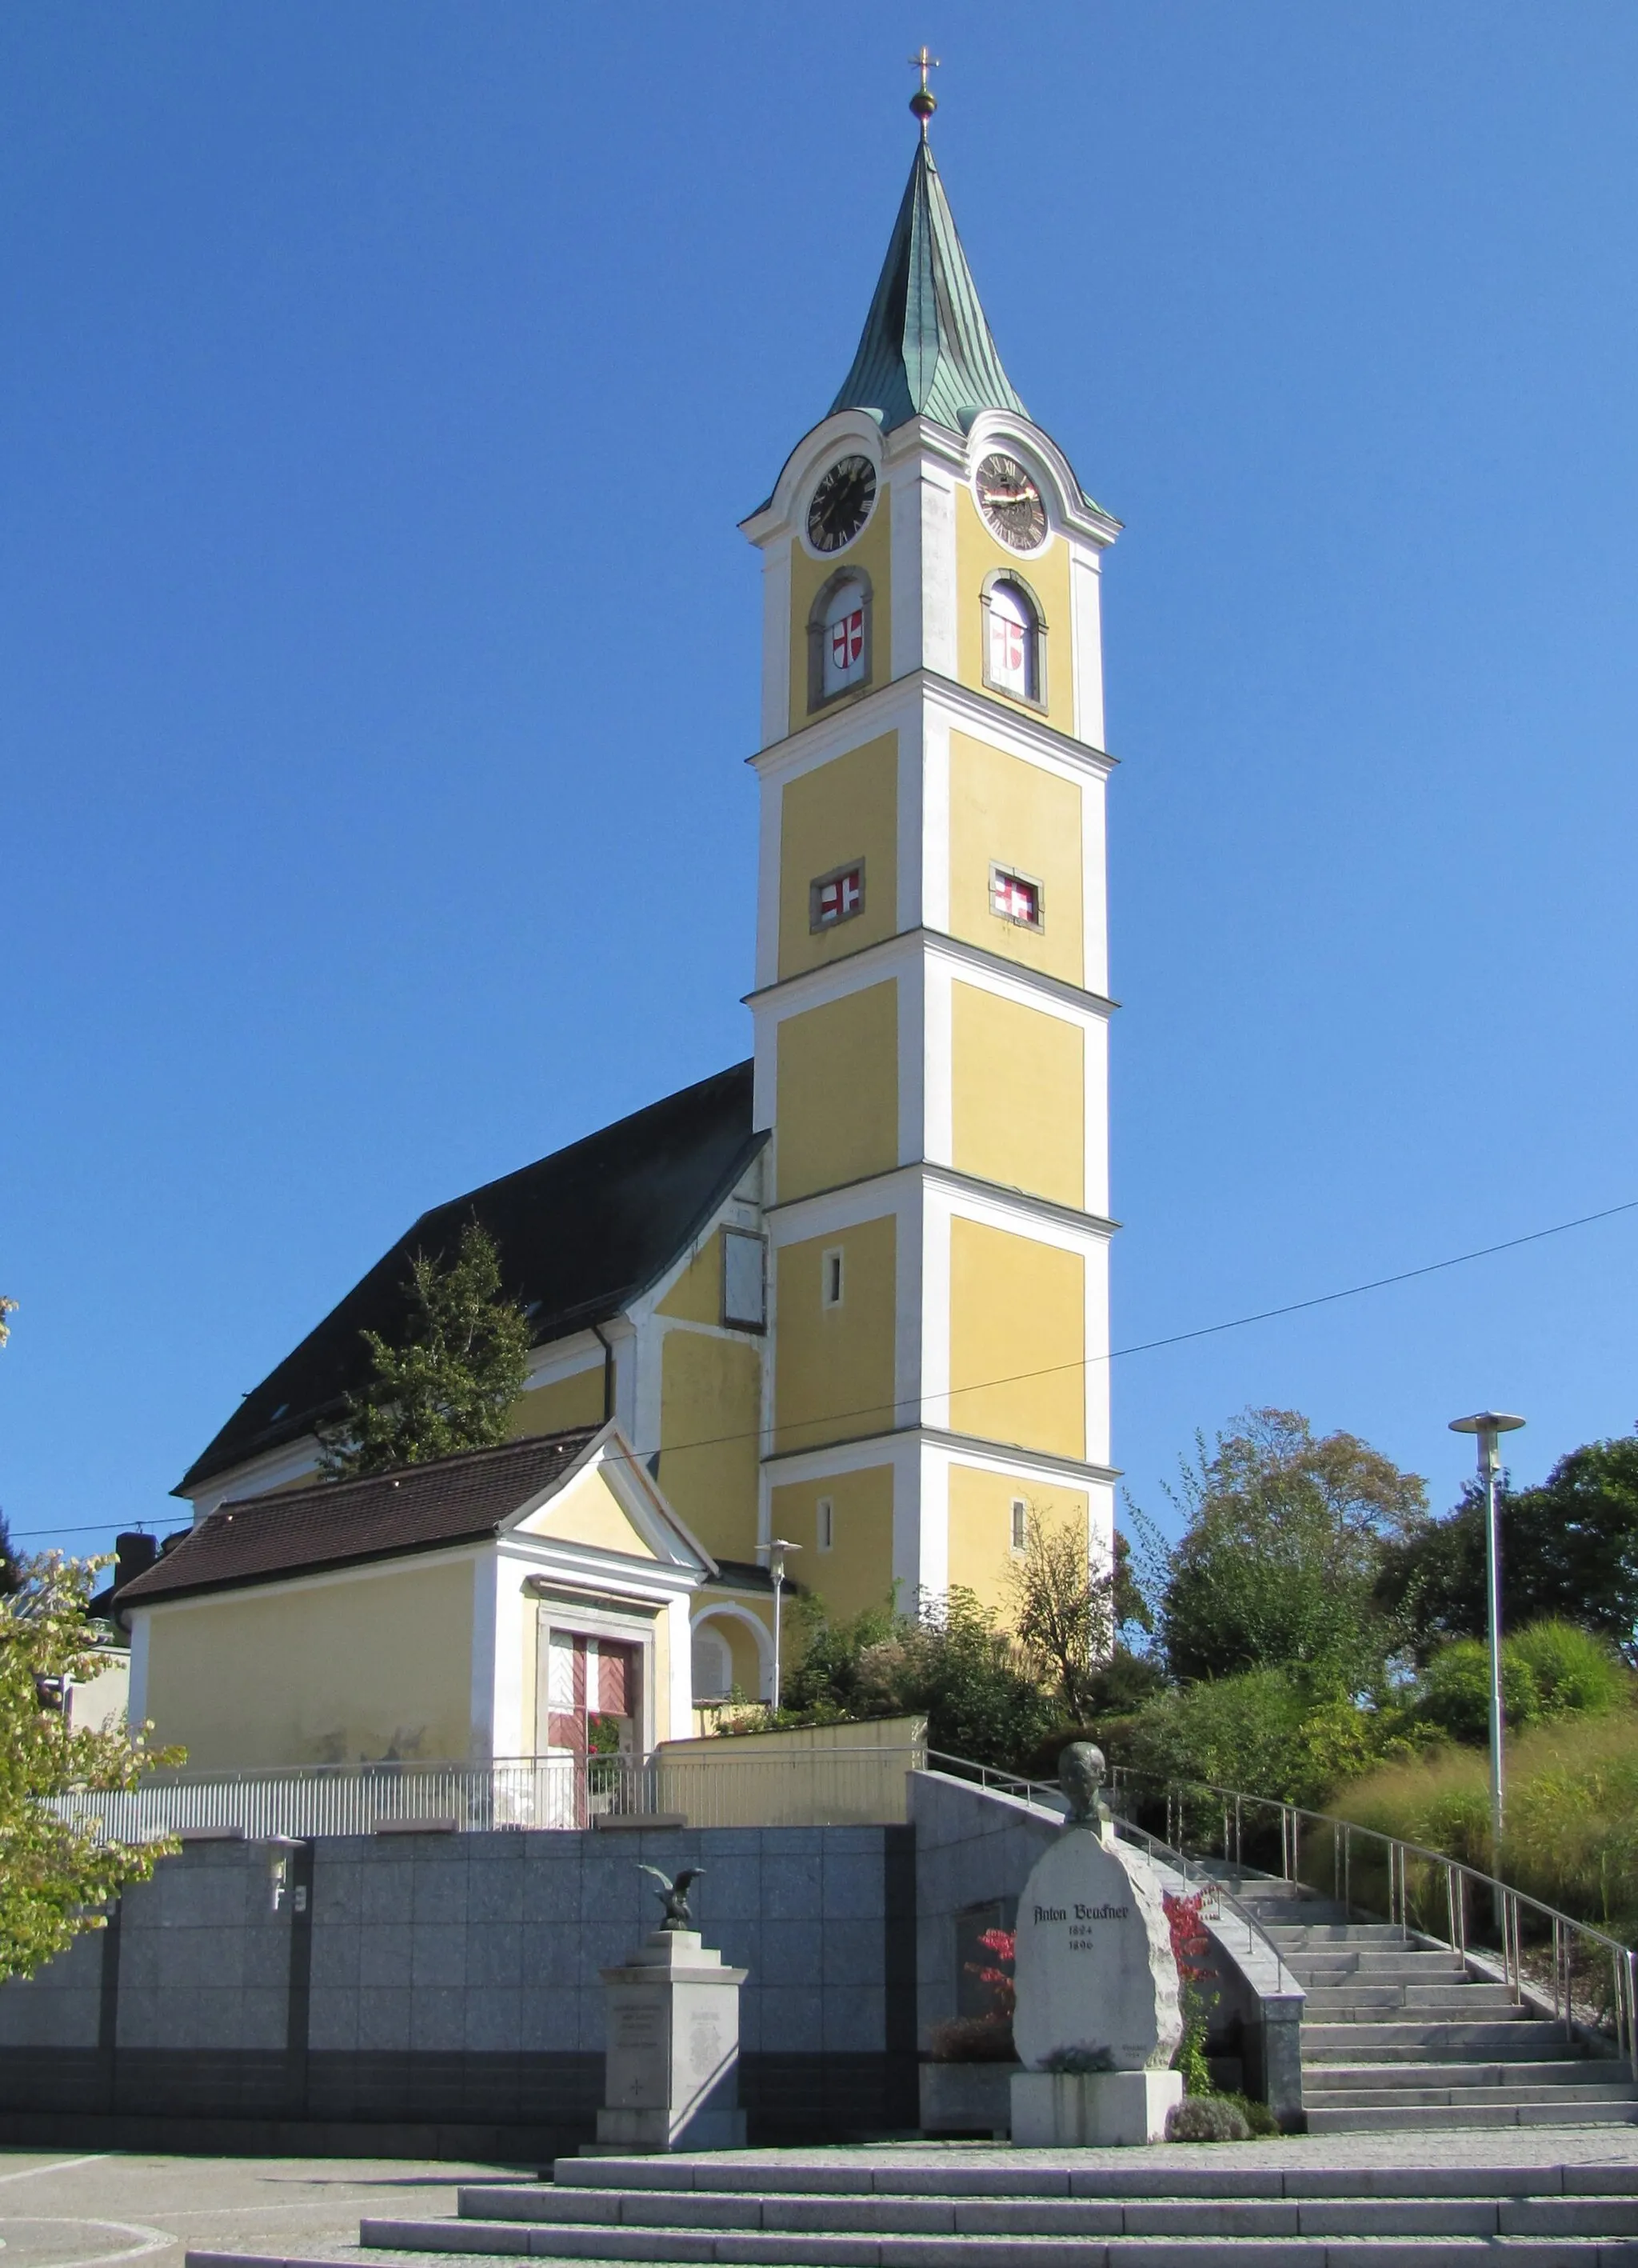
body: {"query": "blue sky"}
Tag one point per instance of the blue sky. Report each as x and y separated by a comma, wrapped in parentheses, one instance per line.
(381, 383)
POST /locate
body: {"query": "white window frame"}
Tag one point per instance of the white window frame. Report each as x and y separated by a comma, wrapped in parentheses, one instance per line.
(741, 1267)
(999, 873)
(816, 923)
(1035, 668)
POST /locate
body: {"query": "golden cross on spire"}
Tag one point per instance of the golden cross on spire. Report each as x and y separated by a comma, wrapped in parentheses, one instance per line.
(923, 102)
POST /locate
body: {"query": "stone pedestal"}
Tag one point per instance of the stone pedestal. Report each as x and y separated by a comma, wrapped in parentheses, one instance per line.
(1092, 2109)
(672, 2058)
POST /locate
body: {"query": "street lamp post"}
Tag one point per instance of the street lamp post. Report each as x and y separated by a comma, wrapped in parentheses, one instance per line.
(774, 1550)
(1489, 1425)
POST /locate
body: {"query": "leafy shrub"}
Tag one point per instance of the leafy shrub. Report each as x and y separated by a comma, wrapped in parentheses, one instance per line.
(1208, 2118)
(949, 1661)
(974, 2039)
(1549, 1669)
(1079, 2059)
(1455, 1693)
(1572, 1813)
(1573, 1671)
(1258, 2116)
(1190, 1941)
(995, 1974)
(1269, 1732)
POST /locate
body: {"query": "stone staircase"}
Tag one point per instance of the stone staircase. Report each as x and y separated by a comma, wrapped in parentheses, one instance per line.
(968, 2209)
(1397, 2035)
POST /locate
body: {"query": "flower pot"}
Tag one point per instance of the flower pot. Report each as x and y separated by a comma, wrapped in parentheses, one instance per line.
(967, 2098)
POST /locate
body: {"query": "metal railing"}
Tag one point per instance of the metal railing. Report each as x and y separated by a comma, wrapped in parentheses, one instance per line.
(1047, 1796)
(558, 1791)
(1530, 1947)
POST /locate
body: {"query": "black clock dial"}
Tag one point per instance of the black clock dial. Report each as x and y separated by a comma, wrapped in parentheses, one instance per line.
(841, 503)
(1012, 503)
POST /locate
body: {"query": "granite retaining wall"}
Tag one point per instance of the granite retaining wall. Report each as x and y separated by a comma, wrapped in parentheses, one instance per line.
(438, 1994)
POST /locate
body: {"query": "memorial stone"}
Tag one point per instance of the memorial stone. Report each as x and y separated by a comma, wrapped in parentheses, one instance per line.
(1097, 2020)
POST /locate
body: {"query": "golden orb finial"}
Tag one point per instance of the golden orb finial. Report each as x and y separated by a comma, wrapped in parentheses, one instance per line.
(923, 102)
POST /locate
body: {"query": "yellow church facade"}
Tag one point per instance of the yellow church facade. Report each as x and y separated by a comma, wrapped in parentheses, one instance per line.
(852, 1294)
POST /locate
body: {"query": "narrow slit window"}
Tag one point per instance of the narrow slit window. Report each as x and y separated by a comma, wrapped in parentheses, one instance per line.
(1016, 898)
(827, 1511)
(831, 1277)
(1020, 1524)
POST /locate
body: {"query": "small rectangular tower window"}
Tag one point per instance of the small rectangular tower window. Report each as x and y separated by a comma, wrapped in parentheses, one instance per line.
(836, 897)
(1017, 898)
(831, 1277)
(826, 1510)
(1020, 1524)
(745, 1301)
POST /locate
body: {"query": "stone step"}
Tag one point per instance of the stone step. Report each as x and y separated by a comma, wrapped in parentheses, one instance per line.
(1330, 1999)
(756, 2248)
(1081, 2173)
(1159, 2247)
(1328, 2118)
(1337, 1934)
(1157, 2215)
(1385, 2095)
(1320, 1970)
(1393, 2040)
(1319, 2079)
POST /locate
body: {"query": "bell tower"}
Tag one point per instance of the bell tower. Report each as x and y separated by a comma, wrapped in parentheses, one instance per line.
(932, 999)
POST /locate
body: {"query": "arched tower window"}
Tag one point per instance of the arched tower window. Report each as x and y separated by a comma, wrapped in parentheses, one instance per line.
(839, 637)
(1015, 640)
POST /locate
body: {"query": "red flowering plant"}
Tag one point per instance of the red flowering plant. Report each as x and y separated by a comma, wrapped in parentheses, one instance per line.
(1191, 1943)
(986, 2038)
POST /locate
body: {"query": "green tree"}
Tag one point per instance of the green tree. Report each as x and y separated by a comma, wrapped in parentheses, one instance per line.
(950, 1662)
(1283, 1540)
(11, 1566)
(55, 1875)
(447, 1381)
(1063, 1611)
(1569, 1550)
(1267, 1731)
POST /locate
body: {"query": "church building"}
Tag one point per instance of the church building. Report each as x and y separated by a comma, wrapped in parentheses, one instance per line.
(851, 1293)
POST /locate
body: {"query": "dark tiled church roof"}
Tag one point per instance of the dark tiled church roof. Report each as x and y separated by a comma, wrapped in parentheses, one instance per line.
(580, 1234)
(336, 1523)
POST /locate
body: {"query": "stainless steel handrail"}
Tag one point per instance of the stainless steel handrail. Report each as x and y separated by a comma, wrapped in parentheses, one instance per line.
(1508, 1902)
(1035, 1789)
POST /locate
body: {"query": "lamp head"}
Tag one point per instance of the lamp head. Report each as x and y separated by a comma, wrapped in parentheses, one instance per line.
(1489, 1425)
(774, 1550)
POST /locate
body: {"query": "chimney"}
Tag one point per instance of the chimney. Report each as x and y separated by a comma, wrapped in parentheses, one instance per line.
(133, 1555)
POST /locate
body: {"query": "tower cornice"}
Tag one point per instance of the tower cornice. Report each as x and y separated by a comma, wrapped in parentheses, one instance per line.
(887, 950)
(839, 728)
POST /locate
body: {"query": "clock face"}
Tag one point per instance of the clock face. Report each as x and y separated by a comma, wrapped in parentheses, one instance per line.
(841, 503)
(1012, 503)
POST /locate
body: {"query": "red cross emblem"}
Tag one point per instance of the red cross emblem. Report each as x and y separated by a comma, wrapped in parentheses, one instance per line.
(847, 638)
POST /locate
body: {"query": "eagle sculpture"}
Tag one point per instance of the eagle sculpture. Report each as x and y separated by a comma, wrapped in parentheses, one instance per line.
(673, 1894)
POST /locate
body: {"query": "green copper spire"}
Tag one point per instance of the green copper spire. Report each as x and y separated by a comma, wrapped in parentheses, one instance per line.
(927, 351)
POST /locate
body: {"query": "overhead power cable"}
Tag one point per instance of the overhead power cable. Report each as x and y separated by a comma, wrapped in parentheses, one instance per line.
(1086, 1362)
